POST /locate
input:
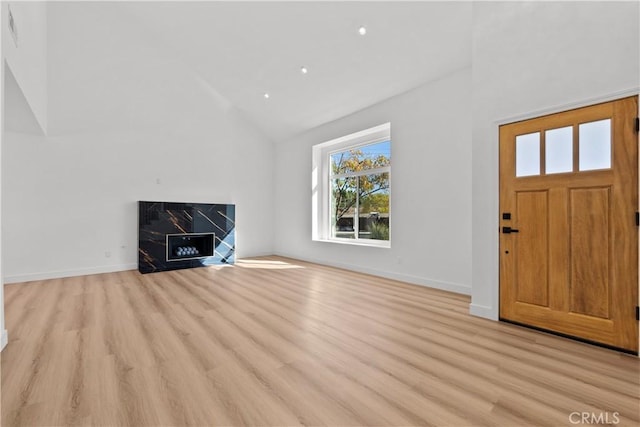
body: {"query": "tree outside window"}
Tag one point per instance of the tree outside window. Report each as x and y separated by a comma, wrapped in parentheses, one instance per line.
(360, 192)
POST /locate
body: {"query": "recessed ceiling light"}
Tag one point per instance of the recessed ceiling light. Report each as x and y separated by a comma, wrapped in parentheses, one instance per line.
(362, 31)
(266, 96)
(304, 70)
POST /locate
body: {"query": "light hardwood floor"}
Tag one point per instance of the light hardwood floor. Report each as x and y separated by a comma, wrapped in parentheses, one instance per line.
(278, 342)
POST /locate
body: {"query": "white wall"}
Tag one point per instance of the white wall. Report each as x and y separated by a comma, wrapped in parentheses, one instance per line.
(124, 115)
(431, 188)
(531, 58)
(3, 332)
(28, 59)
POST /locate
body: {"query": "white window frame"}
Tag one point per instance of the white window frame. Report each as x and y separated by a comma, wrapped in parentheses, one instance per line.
(321, 183)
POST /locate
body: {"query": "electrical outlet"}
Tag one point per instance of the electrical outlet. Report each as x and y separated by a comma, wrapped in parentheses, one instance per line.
(107, 254)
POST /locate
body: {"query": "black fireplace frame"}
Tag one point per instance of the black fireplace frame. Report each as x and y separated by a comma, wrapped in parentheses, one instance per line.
(157, 220)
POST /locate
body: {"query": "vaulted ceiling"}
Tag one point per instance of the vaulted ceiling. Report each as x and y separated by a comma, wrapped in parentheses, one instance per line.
(245, 50)
(242, 50)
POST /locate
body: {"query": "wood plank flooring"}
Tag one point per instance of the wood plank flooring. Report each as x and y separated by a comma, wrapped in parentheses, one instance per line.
(278, 342)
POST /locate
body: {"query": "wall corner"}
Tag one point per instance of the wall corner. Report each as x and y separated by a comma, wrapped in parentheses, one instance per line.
(483, 311)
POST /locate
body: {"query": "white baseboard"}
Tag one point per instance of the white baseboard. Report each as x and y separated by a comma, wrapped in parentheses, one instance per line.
(4, 339)
(253, 255)
(483, 311)
(30, 277)
(18, 278)
(415, 280)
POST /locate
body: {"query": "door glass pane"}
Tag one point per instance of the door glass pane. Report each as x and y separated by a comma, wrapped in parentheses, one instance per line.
(595, 145)
(559, 150)
(528, 154)
(373, 203)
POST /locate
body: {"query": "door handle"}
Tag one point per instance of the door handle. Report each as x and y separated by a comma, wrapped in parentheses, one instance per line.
(509, 230)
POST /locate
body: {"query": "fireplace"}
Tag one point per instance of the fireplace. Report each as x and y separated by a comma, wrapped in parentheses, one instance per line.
(189, 246)
(174, 235)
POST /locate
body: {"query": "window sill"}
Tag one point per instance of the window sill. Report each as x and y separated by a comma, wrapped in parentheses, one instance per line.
(373, 244)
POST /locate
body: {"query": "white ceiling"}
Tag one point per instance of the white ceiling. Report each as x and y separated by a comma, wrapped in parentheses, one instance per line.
(101, 73)
(244, 49)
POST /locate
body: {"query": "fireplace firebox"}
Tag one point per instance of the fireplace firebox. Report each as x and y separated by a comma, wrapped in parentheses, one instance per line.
(189, 246)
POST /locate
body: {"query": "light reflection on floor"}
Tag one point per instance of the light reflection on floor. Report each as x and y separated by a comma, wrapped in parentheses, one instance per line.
(265, 264)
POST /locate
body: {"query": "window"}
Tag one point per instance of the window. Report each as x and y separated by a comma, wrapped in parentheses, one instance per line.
(528, 154)
(352, 188)
(595, 145)
(359, 195)
(593, 149)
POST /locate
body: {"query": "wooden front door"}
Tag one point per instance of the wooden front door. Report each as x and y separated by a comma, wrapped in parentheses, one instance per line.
(568, 233)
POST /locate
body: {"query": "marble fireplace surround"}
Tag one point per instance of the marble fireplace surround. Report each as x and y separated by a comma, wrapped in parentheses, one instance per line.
(175, 235)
